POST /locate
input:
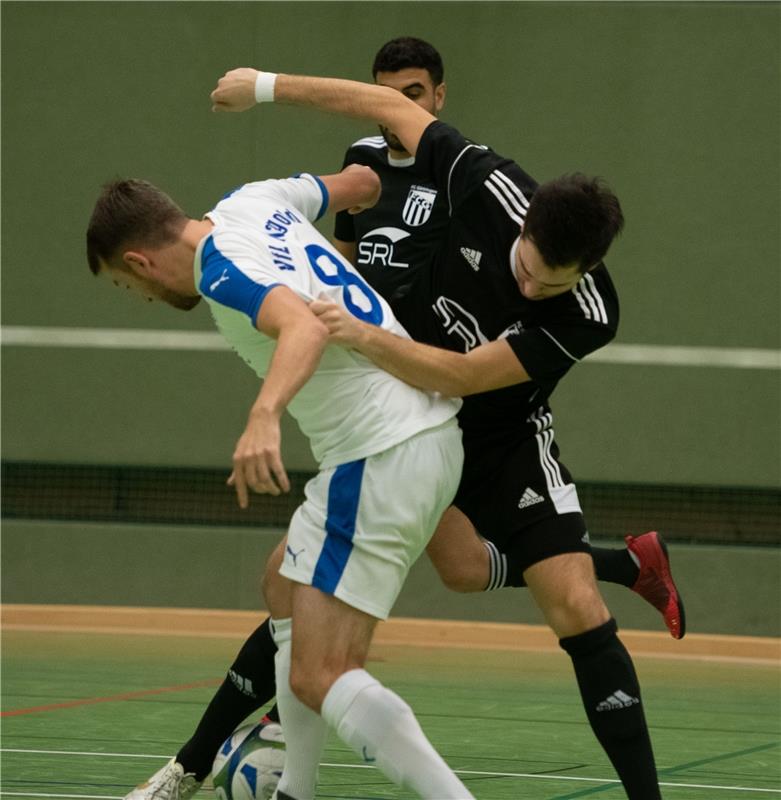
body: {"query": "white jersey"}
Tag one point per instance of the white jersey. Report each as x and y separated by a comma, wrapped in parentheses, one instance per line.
(263, 237)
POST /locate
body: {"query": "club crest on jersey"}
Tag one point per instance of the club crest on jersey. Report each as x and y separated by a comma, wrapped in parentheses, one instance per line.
(417, 207)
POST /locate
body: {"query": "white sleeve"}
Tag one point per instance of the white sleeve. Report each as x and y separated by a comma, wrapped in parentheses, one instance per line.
(235, 274)
(305, 192)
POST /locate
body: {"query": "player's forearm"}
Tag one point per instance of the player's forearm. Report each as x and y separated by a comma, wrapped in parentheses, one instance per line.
(295, 359)
(490, 366)
(379, 104)
(349, 98)
(420, 365)
(239, 90)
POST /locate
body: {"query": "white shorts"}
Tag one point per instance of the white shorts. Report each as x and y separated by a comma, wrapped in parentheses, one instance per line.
(364, 524)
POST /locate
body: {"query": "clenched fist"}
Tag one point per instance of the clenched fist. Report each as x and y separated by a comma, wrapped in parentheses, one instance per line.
(235, 90)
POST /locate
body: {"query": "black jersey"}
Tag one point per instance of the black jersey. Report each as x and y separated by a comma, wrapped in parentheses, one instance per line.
(469, 294)
(396, 239)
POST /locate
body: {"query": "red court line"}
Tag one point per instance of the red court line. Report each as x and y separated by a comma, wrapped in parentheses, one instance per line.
(111, 698)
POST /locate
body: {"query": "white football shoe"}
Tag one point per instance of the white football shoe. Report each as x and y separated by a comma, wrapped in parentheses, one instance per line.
(271, 731)
(169, 783)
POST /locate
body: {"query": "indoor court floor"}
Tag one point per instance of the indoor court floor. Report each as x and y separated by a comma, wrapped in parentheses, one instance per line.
(88, 713)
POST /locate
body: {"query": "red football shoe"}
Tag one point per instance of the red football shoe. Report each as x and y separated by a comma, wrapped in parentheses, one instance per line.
(655, 582)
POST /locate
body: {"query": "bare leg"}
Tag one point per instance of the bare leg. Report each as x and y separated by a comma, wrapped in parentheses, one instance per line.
(330, 641)
(565, 589)
(458, 553)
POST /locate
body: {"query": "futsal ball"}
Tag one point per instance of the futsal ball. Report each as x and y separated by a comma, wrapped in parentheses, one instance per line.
(249, 763)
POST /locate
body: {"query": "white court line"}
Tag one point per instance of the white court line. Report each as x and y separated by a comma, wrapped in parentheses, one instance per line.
(83, 753)
(475, 773)
(77, 796)
(133, 339)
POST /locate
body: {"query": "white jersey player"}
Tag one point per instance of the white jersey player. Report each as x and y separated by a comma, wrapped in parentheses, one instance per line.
(390, 455)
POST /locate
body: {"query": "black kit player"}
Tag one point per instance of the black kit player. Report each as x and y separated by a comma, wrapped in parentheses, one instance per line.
(515, 294)
(391, 244)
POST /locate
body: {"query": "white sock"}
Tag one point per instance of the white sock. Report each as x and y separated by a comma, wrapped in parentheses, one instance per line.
(380, 727)
(304, 730)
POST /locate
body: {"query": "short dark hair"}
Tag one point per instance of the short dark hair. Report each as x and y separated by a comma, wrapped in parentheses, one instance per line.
(573, 219)
(131, 212)
(408, 52)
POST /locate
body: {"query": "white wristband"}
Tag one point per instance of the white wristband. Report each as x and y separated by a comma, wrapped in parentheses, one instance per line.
(264, 87)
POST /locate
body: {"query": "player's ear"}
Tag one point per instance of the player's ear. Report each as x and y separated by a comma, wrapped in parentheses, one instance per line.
(137, 263)
(439, 96)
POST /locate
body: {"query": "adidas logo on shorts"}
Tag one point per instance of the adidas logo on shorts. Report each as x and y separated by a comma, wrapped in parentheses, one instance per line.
(530, 498)
(616, 701)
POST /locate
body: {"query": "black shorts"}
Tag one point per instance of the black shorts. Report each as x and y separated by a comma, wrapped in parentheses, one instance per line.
(521, 498)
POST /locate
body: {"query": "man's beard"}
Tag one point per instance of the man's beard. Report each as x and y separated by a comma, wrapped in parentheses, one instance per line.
(181, 301)
(393, 141)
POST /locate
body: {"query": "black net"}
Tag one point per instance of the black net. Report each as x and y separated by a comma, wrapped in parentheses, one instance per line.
(712, 514)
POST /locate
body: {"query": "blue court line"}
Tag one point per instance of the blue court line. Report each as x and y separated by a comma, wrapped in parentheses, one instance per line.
(672, 770)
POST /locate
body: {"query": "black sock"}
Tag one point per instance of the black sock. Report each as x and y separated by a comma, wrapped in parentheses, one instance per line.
(249, 685)
(611, 695)
(615, 566)
(273, 713)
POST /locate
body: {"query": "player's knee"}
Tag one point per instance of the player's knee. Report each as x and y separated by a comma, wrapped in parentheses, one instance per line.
(460, 575)
(304, 685)
(458, 554)
(576, 609)
(310, 683)
(462, 582)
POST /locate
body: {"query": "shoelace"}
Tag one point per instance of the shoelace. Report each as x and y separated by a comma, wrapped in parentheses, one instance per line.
(172, 781)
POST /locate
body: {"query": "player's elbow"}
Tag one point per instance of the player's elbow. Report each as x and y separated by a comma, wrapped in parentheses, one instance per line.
(367, 181)
(373, 183)
(394, 107)
(307, 332)
(390, 101)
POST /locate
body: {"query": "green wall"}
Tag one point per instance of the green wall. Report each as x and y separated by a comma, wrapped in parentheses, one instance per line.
(731, 590)
(676, 104)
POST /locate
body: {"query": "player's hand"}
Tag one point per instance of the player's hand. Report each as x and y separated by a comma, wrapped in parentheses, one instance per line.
(257, 459)
(343, 327)
(235, 90)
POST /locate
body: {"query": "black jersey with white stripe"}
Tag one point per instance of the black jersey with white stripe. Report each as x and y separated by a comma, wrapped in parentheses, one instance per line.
(471, 295)
(395, 240)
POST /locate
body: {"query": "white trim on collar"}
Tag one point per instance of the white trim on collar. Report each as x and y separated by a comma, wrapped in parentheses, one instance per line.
(400, 162)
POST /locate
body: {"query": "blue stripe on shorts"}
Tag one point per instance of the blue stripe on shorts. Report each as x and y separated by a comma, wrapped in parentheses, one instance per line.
(344, 493)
